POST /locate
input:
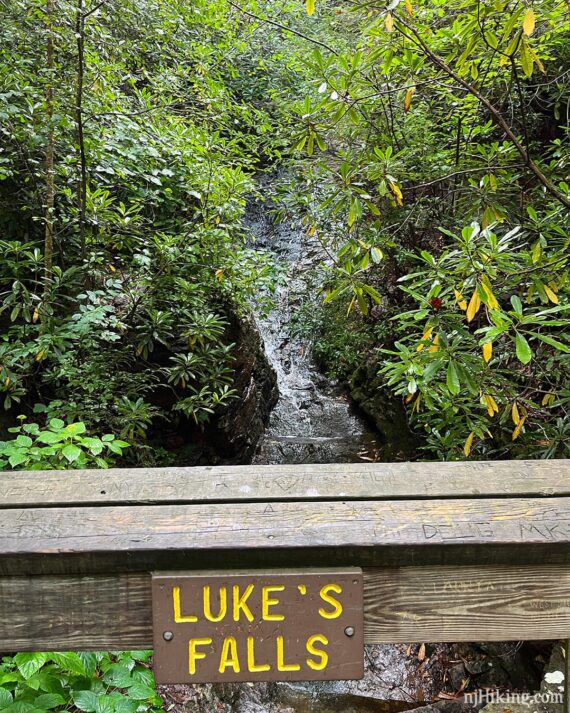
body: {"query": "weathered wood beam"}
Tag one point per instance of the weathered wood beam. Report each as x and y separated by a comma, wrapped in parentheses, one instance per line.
(356, 533)
(350, 481)
(493, 603)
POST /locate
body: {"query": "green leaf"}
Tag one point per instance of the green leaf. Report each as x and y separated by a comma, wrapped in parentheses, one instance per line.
(453, 379)
(517, 304)
(118, 676)
(17, 459)
(85, 700)
(71, 452)
(524, 352)
(29, 663)
(74, 429)
(376, 255)
(105, 704)
(126, 705)
(49, 700)
(143, 675)
(50, 437)
(5, 698)
(70, 661)
(56, 424)
(24, 441)
(553, 342)
(141, 692)
(89, 661)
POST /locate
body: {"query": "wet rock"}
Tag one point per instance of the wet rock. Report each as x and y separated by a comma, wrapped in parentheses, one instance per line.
(548, 699)
(240, 427)
(385, 412)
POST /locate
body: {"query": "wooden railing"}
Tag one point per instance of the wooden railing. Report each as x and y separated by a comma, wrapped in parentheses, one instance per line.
(466, 551)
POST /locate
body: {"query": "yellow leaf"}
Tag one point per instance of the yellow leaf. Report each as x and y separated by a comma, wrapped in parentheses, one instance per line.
(408, 98)
(491, 299)
(409, 8)
(491, 404)
(312, 230)
(461, 303)
(219, 275)
(517, 431)
(416, 406)
(426, 335)
(474, 305)
(552, 296)
(7, 381)
(468, 444)
(529, 22)
(435, 344)
(310, 7)
(397, 193)
(389, 22)
(409, 397)
(536, 59)
(112, 268)
(515, 414)
(487, 351)
(40, 355)
(35, 316)
(548, 399)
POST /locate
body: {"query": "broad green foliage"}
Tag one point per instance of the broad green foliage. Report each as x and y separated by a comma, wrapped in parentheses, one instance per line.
(155, 142)
(92, 682)
(484, 349)
(58, 447)
(426, 117)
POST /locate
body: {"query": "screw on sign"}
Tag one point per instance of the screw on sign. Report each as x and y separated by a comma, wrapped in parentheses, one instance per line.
(289, 625)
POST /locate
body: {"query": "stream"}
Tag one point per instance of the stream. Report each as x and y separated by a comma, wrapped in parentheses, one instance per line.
(313, 421)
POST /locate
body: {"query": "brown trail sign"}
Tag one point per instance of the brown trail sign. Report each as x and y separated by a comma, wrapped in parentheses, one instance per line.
(469, 551)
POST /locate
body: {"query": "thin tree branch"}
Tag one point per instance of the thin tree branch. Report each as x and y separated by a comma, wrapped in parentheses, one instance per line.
(312, 40)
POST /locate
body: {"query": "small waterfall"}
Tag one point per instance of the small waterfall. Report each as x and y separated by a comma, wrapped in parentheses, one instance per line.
(312, 422)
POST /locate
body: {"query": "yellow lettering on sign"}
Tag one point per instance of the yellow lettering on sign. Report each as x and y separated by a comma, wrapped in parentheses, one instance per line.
(253, 667)
(281, 665)
(240, 602)
(178, 617)
(208, 603)
(229, 655)
(267, 601)
(323, 656)
(193, 654)
(326, 597)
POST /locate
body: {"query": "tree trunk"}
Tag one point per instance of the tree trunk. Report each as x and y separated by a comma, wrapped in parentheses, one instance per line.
(49, 160)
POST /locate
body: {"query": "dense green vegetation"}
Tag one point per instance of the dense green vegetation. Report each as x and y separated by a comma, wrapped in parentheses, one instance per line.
(424, 144)
(128, 152)
(439, 164)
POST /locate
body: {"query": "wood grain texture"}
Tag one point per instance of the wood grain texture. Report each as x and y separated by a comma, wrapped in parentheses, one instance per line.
(357, 481)
(353, 533)
(401, 605)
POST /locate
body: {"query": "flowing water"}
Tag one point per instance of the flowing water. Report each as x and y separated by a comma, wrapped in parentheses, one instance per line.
(313, 421)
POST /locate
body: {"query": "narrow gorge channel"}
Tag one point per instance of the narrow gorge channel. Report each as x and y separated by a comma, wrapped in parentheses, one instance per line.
(313, 421)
